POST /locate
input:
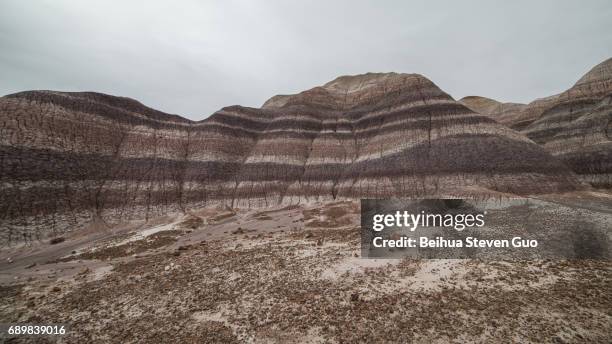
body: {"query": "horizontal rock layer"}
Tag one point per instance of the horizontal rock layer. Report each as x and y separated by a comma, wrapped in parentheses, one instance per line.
(72, 158)
(504, 113)
(575, 126)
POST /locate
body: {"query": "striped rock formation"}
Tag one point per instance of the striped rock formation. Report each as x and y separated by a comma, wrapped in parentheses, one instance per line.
(504, 113)
(575, 126)
(72, 158)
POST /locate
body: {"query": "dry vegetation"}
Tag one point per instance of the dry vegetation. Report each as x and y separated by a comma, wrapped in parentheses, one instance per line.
(302, 283)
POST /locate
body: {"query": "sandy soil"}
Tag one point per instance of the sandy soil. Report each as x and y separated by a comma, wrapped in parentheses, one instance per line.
(291, 275)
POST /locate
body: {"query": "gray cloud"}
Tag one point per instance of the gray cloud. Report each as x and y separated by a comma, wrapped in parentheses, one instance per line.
(195, 57)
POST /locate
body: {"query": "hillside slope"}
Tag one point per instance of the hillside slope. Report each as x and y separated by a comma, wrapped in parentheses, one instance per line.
(575, 126)
(72, 158)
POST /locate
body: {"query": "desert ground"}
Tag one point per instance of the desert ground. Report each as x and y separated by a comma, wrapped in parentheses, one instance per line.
(293, 274)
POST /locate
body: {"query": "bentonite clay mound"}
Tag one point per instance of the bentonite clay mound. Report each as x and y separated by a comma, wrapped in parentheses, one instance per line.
(504, 113)
(70, 158)
(575, 126)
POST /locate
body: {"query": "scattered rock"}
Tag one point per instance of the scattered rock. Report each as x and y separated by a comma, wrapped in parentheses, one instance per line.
(57, 240)
(354, 297)
(56, 289)
(558, 340)
(238, 231)
(193, 222)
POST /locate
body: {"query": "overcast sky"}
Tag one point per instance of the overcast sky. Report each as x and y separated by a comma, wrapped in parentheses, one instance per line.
(194, 57)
